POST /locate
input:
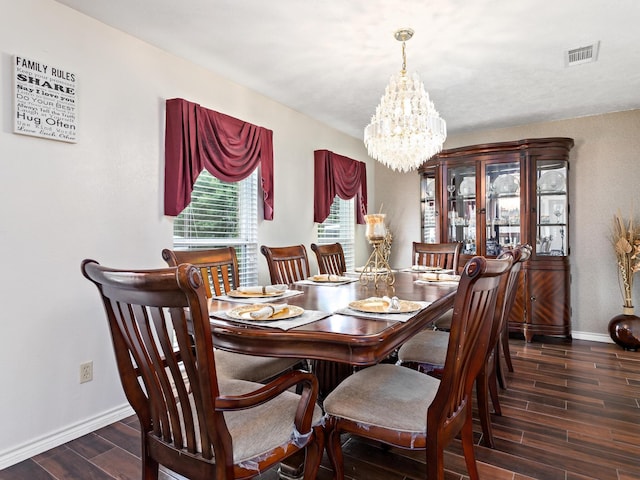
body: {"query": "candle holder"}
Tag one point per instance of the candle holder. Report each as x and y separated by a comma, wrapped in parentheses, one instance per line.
(377, 268)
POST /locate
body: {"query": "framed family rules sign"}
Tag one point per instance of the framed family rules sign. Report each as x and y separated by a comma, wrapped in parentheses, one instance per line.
(45, 100)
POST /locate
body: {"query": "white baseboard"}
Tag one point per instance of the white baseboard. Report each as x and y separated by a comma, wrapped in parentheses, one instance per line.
(594, 337)
(71, 432)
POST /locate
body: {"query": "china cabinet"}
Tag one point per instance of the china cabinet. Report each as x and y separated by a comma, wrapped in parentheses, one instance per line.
(495, 196)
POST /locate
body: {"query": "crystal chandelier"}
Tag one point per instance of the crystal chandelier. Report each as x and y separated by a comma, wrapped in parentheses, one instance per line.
(406, 129)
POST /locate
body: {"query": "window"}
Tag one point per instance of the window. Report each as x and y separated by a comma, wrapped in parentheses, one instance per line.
(339, 227)
(222, 214)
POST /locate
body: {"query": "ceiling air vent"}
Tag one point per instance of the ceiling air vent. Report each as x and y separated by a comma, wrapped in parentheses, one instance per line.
(580, 55)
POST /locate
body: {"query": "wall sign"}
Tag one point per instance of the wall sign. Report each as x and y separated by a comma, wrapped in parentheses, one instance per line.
(45, 101)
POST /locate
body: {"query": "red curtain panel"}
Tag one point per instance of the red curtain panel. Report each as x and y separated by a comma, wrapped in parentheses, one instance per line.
(197, 138)
(342, 176)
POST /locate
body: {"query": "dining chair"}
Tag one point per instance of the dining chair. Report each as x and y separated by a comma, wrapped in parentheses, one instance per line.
(402, 407)
(427, 350)
(217, 265)
(525, 254)
(330, 258)
(443, 255)
(219, 268)
(192, 421)
(287, 264)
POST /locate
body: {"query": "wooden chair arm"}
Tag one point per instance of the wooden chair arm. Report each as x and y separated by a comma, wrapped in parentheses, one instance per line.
(308, 397)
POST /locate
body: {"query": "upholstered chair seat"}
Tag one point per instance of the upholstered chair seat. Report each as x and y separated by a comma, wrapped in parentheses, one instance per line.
(251, 367)
(427, 347)
(385, 396)
(260, 430)
(444, 322)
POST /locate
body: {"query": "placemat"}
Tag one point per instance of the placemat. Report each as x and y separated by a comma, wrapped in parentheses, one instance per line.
(394, 317)
(308, 316)
(437, 282)
(414, 270)
(438, 277)
(288, 293)
(325, 284)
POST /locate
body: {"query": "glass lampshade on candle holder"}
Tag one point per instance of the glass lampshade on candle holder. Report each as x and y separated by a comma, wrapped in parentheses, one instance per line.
(377, 267)
(376, 229)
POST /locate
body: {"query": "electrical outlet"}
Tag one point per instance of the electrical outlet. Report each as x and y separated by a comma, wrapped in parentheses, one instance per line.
(86, 372)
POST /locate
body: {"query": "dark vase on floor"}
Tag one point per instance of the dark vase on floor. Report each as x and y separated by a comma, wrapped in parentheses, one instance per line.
(624, 329)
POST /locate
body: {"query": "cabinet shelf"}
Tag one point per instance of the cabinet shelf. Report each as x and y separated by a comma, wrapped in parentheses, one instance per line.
(551, 193)
(504, 195)
(462, 197)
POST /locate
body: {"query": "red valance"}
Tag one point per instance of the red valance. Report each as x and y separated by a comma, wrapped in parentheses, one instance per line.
(197, 138)
(341, 176)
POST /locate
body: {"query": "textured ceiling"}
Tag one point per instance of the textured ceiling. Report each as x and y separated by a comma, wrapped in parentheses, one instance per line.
(486, 63)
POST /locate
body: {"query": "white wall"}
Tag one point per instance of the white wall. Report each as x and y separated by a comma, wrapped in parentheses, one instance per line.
(604, 177)
(102, 198)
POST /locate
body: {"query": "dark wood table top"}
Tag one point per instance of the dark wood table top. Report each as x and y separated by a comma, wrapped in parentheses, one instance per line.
(338, 338)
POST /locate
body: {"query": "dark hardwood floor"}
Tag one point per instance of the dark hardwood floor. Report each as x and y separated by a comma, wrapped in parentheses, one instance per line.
(571, 412)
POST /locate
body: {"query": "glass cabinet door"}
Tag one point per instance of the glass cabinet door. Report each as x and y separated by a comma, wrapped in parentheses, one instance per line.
(552, 208)
(428, 207)
(461, 207)
(502, 203)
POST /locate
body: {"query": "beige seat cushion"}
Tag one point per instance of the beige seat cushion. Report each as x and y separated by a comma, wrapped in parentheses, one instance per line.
(250, 367)
(428, 346)
(385, 395)
(258, 430)
(444, 322)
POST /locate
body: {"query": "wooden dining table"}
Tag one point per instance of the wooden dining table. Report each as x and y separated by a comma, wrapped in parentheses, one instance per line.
(348, 340)
(337, 343)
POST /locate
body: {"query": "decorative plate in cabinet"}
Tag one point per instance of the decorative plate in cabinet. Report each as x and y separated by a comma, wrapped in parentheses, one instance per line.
(467, 187)
(506, 183)
(430, 189)
(551, 182)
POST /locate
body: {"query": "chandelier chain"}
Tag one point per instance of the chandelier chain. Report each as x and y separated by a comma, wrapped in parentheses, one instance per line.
(404, 57)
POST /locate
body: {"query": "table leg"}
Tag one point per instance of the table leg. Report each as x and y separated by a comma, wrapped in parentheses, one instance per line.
(329, 375)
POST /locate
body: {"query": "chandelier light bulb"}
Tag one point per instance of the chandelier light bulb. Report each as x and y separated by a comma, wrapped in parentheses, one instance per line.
(406, 130)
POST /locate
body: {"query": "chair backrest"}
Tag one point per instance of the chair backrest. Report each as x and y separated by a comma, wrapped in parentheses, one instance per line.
(473, 315)
(287, 264)
(507, 291)
(444, 255)
(168, 377)
(218, 265)
(330, 258)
